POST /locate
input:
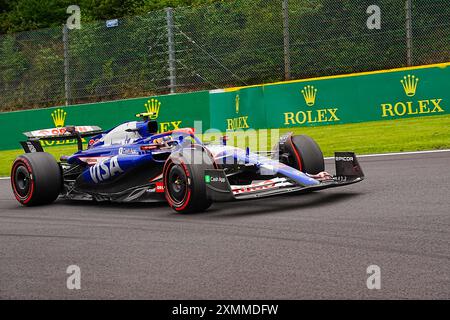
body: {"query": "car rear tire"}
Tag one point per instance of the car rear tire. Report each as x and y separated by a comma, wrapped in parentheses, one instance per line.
(184, 180)
(36, 179)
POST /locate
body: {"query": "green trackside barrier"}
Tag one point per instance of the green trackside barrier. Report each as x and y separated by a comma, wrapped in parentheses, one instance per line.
(172, 111)
(238, 109)
(371, 96)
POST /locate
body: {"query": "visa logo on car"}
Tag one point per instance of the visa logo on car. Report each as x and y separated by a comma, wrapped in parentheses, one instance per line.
(102, 171)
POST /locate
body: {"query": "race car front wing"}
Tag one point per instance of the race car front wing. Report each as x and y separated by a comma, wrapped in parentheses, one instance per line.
(348, 171)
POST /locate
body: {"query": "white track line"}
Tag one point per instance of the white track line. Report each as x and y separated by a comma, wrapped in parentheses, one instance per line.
(367, 155)
(396, 154)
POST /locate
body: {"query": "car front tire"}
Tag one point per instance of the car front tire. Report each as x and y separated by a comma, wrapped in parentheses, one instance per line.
(184, 180)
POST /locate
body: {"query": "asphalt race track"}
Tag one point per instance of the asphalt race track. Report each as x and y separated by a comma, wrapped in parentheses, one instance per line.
(313, 246)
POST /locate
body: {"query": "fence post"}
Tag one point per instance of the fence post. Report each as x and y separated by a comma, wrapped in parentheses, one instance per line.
(66, 64)
(409, 55)
(287, 53)
(171, 47)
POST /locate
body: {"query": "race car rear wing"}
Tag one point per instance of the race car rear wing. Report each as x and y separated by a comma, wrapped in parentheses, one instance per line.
(57, 134)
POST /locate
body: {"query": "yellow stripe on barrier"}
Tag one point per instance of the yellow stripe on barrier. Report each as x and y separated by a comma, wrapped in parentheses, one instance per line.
(436, 65)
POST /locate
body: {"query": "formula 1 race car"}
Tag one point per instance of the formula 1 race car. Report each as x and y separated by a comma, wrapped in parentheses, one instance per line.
(134, 163)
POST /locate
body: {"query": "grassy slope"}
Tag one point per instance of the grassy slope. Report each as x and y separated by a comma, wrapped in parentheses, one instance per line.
(414, 134)
(424, 133)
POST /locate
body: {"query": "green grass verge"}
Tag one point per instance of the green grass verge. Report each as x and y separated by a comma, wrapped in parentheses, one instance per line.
(413, 134)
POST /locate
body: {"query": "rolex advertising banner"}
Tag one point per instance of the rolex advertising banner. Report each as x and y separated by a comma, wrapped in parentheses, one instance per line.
(237, 109)
(171, 111)
(372, 96)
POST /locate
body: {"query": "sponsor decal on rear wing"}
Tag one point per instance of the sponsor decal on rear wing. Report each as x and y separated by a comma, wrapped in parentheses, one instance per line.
(56, 134)
(63, 132)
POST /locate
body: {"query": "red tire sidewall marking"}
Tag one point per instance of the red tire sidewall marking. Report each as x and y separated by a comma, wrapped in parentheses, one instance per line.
(216, 166)
(18, 163)
(187, 198)
(297, 155)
